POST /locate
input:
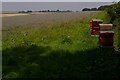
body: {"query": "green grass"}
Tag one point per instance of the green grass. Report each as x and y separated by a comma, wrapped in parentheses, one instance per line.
(64, 50)
(67, 35)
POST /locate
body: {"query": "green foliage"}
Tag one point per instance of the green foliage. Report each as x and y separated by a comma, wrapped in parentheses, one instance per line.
(11, 75)
(119, 37)
(103, 7)
(114, 14)
(88, 9)
(66, 39)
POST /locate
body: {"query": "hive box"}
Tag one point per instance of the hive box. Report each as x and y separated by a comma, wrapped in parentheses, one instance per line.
(106, 38)
(95, 26)
(105, 27)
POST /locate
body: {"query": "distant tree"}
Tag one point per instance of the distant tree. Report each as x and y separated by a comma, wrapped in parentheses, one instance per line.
(21, 12)
(119, 2)
(48, 11)
(58, 10)
(43, 11)
(28, 11)
(86, 9)
(69, 11)
(103, 7)
(94, 9)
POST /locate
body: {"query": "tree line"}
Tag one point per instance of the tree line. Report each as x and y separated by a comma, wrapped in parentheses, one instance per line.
(96, 9)
(29, 11)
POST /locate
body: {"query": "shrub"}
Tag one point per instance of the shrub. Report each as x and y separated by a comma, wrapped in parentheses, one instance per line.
(114, 14)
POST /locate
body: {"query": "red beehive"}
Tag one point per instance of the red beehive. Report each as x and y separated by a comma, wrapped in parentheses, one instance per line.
(106, 38)
(95, 26)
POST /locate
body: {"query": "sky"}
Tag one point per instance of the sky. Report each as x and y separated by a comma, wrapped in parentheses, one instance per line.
(36, 6)
(59, 0)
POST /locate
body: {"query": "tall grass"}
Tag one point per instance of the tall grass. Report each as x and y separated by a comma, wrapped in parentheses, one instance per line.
(70, 35)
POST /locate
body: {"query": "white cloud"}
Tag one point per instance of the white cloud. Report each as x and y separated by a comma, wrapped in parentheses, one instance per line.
(59, 0)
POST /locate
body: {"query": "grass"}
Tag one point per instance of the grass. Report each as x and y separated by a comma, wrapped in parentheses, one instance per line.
(64, 50)
(119, 35)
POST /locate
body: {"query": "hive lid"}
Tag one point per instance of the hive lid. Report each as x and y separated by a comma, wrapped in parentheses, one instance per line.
(110, 25)
(106, 32)
(105, 27)
(97, 20)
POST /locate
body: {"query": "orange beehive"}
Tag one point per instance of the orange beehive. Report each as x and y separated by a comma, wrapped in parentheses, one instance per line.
(95, 26)
(106, 38)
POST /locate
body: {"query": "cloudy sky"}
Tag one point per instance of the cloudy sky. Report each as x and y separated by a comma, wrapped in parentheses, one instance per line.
(59, 0)
(35, 6)
(74, 5)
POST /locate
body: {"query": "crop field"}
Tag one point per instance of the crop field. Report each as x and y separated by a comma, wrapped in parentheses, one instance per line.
(44, 19)
(10, 15)
(20, 14)
(56, 45)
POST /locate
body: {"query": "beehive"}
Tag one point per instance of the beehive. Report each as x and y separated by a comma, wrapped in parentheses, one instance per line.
(106, 38)
(105, 27)
(96, 22)
(95, 26)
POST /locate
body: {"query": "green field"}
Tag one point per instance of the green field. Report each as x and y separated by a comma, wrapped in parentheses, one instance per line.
(58, 49)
